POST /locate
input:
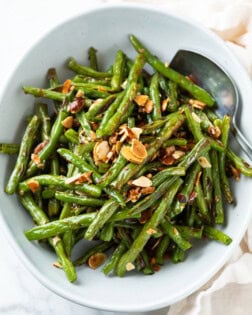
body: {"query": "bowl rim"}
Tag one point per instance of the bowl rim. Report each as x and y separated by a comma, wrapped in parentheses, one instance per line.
(150, 306)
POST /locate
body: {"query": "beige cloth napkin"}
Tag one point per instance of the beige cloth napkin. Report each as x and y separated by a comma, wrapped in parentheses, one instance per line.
(230, 291)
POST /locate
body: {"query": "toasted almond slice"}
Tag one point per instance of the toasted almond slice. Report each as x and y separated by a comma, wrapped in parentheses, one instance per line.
(79, 93)
(164, 104)
(141, 100)
(57, 265)
(214, 131)
(137, 132)
(130, 266)
(196, 103)
(149, 106)
(138, 149)
(142, 181)
(35, 158)
(66, 86)
(204, 162)
(127, 153)
(147, 190)
(151, 231)
(100, 151)
(39, 147)
(178, 154)
(96, 260)
(67, 122)
(33, 185)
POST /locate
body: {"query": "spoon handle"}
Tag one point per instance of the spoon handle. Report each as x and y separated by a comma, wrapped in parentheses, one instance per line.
(243, 142)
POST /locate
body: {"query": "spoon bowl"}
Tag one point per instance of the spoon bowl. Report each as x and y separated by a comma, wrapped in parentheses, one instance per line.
(214, 79)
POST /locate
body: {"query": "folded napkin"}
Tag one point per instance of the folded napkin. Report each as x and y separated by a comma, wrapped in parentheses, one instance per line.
(230, 290)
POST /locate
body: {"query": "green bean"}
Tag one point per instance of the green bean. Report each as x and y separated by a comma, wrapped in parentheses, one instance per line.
(175, 235)
(239, 163)
(217, 235)
(112, 263)
(175, 141)
(155, 97)
(102, 216)
(185, 193)
(118, 71)
(23, 156)
(109, 113)
(42, 113)
(72, 136)
(80, 200)
(40, 218)
(178, 255)
(44, 154)
(173, 96)
(188, 232)
(218, 203)
(93, 58)
(47, 93)
(9, 148)
(59, 181)
(80, 69)
(161, 249)
(99, 105)
(107, 232)
(228, 195)
(181, 80)
(113, 172)
(72, 223)
(201, 202)
(166, 173)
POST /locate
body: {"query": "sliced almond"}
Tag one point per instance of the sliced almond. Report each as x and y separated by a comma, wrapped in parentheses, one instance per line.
(197, 104)
(178, 154)
(164, 104)
(142, 181)
(100, 151)
(67, 122)
(33, 185)
(204, 162)
(129, 266)
(96, 260)
(170, 150)
(137, 132)
(79, 178)
(35, 158)
(66, 86)
(134, 194)
(147, 190)
(141, 100)
(39, 147)
(57, 265)
(149, 106)
(151, 231)
(128, 154)
(79, 93)
(214, 131)
(138, 149)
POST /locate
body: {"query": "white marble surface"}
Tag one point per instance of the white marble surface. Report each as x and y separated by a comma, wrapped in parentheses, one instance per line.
(21, 24)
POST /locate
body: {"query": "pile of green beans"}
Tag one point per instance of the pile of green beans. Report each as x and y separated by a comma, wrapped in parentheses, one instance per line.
(132, 159)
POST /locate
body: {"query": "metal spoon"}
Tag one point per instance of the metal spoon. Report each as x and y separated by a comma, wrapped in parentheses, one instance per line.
(217, 82)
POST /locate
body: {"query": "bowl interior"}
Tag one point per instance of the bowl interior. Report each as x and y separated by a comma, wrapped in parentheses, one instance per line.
(107, 29)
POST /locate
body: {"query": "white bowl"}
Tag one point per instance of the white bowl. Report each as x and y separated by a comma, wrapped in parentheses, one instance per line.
(107, 29)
